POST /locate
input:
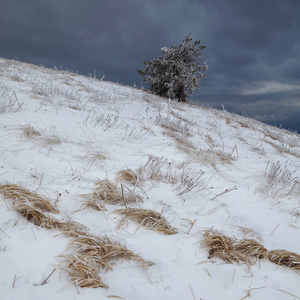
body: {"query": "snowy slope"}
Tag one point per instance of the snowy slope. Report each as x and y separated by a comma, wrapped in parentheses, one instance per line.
(61, 133)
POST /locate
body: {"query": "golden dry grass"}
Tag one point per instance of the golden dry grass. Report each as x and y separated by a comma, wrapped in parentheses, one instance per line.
(82, 271)
(110, 193)
(246, 250)
(148, 218)
(129, 176)
(232, 250)
(69, 227)
(89, 254)
(251, 248)
(36, 208)
(22, 196)
(220, 246)
(103, 250)
(93, 203)
(285, 258)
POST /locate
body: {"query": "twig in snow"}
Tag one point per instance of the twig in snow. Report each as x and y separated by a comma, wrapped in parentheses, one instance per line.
(123, 195)
(76, 288)
(15, 280)
(208, 273)
(225, 192)
(236, 150)
(289, 293)
(5, 233)
(48, 276)
(33, 233)
(248, 293)
(274, 229)
(192, 292)
(20, 105)
(233, 275)
(191, 222)
(147, 274)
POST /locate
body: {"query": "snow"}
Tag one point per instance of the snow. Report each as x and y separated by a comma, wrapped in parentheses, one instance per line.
(60, 133)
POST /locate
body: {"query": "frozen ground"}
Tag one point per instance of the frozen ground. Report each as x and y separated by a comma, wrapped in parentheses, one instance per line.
(61, 133)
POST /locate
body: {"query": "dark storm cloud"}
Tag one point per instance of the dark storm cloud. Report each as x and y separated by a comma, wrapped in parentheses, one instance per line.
(252, 45)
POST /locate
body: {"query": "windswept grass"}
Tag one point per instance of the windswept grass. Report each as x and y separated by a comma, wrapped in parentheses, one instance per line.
(129, 176)
(247, 250)
(184, 179)
(149, 219)
(87, 253)
(36, 209)
(281, 180)
(232, 250)
(21, 196)
(82, 271)
(108, 192)
(251, 248)
(93, 203)
(30, 132)
(8, 100)
(90, 253)
(285, 258)
(221, 246)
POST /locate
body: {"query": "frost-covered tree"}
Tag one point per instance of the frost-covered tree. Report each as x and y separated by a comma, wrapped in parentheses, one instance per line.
(178, 73)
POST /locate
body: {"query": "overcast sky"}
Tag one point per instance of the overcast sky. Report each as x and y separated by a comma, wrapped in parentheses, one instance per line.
(253, 46)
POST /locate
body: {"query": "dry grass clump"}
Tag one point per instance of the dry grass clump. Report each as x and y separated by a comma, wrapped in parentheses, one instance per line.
(129, 176)
(30, 132)
(280, 180)
(232, 250)
(52, 140)
(97, 156)
(109, 192)
(69, 227)
(89, 254)
(224, 157)
(158, 169)
(220, 246)
(182, 141)
(283, 146)
(82, 271)
(285, 258)
(35, 209)
(180, 117)
(149, 219)
(35, 216)
(251, 248)
(103, 250)
(247, 250)
(21, 196)
(178, 129)
(93, 203)
(175, 125)
(185, 179)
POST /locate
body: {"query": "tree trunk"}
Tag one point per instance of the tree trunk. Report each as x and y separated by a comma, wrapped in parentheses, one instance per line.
(181, 94)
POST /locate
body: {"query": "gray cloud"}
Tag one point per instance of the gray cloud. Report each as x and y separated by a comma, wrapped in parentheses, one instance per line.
(252, 45)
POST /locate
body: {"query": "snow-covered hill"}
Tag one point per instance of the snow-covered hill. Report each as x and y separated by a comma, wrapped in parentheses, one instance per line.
(149, 198)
